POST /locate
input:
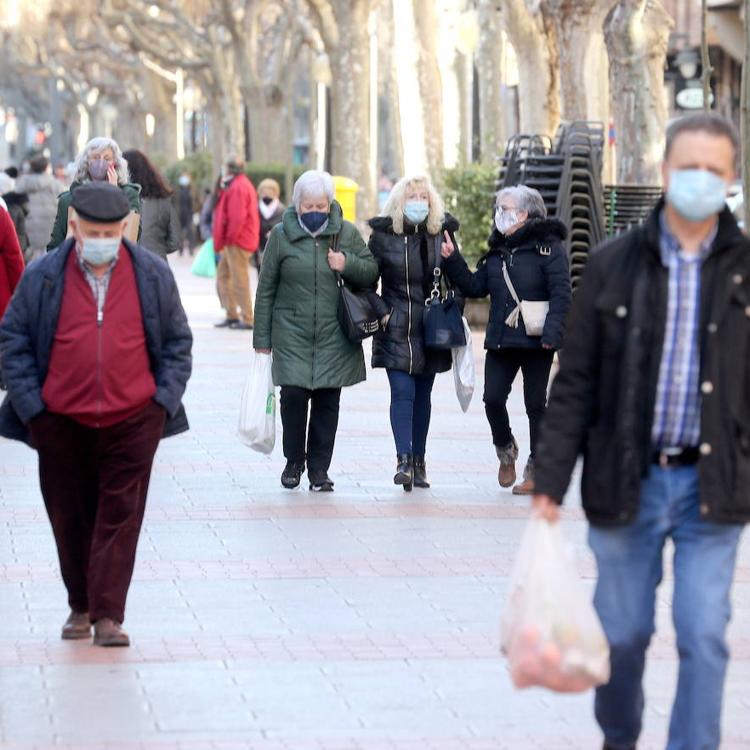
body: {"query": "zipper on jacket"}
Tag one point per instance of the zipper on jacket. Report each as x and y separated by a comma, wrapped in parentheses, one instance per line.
(408, 303)
(99, 323)
(315, 310)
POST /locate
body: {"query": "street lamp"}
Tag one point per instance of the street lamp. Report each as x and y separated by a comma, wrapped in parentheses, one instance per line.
(687, 63)
(321, 74)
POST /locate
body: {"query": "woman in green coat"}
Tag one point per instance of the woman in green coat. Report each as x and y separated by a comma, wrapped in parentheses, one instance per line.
(101, 160)
(296, 318)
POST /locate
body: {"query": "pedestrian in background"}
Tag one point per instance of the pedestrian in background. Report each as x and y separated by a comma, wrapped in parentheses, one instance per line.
(61, 175)
(160, 227)
(654, 390)
(527, 245)
(186, 208)
(96, 354)
(271, 210)
(100, 161)
(43, 190)
(236, 227)
(296, 318)
(17, 205)
(207, 211)
(406, 243)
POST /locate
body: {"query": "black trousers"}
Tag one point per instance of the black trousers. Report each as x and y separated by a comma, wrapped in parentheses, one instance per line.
(321, 434)
(94, 484)
(500, 370)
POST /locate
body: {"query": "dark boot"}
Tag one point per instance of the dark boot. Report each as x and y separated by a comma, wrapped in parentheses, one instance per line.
(420, 473)
(319, 480)
(108, 632)
(292, 474)
(404, 471)
(76, 627)
(527, 486)
(508, 456)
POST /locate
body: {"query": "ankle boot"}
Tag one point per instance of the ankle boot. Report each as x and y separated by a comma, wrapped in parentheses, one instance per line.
(404, 471)
(420, 473)
(508, 455)
(527, 486)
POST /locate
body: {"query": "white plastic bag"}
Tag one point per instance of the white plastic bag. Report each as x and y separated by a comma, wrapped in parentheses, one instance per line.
(257, 424)
(464, 375)
(550, 631)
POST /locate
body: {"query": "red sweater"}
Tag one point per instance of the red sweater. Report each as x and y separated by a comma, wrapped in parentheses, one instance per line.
(236, 218)
(11, 260)
(99, 374)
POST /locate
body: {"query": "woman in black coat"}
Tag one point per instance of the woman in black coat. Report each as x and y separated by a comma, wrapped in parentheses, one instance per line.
(529, 246)
(406, 243)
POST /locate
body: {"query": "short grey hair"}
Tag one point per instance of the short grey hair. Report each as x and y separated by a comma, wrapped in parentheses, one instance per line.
(313, 184)
(702, 122)
(526, 199)
(96, 146)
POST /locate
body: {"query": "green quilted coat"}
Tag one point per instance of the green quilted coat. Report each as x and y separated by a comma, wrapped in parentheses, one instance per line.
(297, 300)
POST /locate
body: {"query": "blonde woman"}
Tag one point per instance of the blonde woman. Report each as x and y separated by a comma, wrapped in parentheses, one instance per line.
(406, 242)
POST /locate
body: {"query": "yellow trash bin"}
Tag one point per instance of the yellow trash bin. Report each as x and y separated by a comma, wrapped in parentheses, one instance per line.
(346, 195)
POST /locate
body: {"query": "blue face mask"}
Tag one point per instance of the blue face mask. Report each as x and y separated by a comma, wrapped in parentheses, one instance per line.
(313, 220)
(696, 194)
(100, 250)
(416, 211)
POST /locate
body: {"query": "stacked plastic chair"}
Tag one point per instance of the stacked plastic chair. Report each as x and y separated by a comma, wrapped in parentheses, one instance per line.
(567, 172)
(627, 206)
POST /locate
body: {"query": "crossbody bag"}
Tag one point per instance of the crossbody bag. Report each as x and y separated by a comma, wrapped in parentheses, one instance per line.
(534, 314)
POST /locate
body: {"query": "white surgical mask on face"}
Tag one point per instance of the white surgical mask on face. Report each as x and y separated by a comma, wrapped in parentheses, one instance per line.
(98, 251)
(504, 220)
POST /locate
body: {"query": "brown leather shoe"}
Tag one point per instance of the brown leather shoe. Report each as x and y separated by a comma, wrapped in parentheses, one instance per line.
(508, 456)
(76, 627)
(527, 486)
(107, 632)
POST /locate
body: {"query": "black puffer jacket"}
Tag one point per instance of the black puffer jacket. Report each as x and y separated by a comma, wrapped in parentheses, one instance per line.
(538, 267)
(602, 400)
(406, 263)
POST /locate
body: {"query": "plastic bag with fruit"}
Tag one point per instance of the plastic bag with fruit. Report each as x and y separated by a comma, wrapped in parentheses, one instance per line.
(551, 634)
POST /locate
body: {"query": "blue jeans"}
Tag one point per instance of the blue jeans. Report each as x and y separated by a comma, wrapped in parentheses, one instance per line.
(630, 569)
(411, 408)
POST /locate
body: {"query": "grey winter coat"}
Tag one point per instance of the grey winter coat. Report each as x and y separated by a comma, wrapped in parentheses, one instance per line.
(160, 226)
(43, 190)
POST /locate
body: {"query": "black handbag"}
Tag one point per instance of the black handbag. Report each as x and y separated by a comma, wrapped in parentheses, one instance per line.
(357, 317)
(443, 322)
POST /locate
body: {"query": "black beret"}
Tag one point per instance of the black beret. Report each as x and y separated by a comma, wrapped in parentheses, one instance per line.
(100, 202)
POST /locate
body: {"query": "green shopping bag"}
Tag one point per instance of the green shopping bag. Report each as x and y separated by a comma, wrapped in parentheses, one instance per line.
(205, 262)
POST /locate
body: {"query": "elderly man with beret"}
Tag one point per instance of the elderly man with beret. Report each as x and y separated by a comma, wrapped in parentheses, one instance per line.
(96, 354)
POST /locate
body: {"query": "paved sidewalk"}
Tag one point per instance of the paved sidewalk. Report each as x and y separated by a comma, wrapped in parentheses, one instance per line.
(367, 620)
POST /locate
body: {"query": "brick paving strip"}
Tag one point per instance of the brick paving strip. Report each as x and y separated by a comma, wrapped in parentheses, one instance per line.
(266, 620)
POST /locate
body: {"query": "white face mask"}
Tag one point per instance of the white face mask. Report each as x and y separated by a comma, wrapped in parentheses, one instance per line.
(504, 220)
(98, 251)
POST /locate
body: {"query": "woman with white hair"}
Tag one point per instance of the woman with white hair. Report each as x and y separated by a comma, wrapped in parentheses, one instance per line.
(406, 242)
(100, 161)
(296, 319)
(526, 262)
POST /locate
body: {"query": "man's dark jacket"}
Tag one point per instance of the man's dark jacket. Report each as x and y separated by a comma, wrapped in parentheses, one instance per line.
(27, 333)
(602, 401)
(537, 264)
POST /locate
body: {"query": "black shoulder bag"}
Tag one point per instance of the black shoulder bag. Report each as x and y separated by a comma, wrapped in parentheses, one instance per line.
(442, 323)
(356, 315)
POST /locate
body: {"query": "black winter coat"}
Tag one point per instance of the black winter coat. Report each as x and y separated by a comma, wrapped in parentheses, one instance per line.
(538, 267)
(18, 208)
(27, 333)
(602, 401)
(406, 263)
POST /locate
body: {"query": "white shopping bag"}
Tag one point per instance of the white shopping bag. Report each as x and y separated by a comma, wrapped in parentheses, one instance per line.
(257, 424)
(464, 375)
(550, 632)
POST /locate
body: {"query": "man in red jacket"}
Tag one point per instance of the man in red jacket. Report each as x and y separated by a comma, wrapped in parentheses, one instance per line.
(235, 230)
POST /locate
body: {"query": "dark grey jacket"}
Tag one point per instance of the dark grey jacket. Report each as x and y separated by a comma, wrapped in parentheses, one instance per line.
(27, 333)
(160, 226)
(602, 401)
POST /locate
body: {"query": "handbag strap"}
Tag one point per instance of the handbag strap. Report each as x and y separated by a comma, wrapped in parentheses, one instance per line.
(512, 319)
(335, 248)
